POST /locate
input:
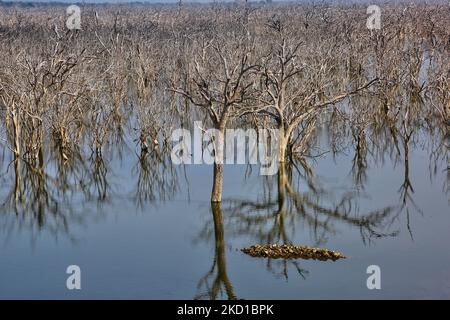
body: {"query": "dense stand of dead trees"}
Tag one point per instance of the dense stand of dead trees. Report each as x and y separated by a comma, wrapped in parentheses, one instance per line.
(69, 97)
(152, 69)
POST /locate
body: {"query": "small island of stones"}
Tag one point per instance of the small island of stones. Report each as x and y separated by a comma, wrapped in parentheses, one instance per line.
(274, 251)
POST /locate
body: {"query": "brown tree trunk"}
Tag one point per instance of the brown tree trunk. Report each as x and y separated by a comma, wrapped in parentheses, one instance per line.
(282, 140)
(281, 186)
(16, 125)
(18, 195)
(216, 194)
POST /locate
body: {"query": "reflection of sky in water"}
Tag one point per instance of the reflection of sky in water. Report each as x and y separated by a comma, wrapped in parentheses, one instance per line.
(163, 249)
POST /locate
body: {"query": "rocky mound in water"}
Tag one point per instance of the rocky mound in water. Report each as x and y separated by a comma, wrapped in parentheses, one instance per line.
(285, 251)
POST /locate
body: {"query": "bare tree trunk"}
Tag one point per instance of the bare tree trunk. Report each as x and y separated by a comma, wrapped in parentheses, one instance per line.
(282, 141)
(18, 195)
(216, 194)
(281, 186)
(16, 125)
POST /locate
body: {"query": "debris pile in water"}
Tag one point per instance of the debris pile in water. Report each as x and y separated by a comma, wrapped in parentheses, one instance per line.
(285, 251)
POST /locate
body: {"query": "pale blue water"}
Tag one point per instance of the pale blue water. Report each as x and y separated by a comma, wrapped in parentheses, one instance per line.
(162, 249)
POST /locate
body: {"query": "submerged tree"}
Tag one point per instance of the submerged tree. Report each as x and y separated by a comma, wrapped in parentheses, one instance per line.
(221, 83)
(298, 82)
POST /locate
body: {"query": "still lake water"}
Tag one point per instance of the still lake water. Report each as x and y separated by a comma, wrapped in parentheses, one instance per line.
(162, 240)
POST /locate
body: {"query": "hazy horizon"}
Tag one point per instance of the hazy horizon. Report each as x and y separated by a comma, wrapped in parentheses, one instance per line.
(218, 1)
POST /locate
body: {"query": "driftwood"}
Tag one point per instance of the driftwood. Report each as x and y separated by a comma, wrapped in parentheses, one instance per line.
(274, 251)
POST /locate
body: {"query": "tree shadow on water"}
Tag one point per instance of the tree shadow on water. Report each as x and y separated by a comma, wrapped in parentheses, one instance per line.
(276, 218)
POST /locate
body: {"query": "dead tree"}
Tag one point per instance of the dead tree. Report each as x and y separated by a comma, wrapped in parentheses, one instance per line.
(297, 84)
(220, 83)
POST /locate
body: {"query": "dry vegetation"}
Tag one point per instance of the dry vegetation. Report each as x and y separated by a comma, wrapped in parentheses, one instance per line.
(68, 98)
(150, 69)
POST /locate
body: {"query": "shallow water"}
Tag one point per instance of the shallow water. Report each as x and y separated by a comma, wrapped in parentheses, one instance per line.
(170, 244)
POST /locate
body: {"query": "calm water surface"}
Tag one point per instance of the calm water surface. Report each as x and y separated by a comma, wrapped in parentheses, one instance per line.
(145, 234)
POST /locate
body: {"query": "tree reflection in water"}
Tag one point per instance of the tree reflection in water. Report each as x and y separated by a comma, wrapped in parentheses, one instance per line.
(157, 179)
(275, 218)
(50, 193)
(58, 190)
(215, 282)
(301, 199)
